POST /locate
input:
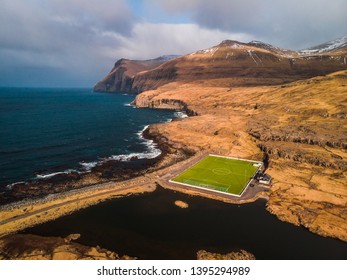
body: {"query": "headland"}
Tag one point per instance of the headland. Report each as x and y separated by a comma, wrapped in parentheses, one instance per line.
(292, 116)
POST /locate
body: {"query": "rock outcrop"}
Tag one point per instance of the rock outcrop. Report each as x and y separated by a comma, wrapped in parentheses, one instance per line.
(237, 255)
(121, 77)
(34, 247)
(181, 204)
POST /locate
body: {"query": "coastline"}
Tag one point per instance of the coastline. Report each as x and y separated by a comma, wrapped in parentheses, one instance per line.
(20, 215)
(87, 191)
(30, 212)
(122, 167)
(180, 149)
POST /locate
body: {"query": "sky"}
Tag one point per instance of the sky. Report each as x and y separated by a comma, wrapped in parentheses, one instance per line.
(74, 43)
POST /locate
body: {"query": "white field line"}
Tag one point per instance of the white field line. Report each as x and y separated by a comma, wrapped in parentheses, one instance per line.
(241, 159)
(249, 182)
(213, 155)
(245, 188)
(206, 189)
(192, 166)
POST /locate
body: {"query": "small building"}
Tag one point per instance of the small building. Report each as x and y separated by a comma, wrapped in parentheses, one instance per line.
(263, 178)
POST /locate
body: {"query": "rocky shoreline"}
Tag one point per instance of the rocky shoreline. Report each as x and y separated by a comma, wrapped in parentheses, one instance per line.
(68, 195)
(33, 247)
(111, 170)
(307, 190)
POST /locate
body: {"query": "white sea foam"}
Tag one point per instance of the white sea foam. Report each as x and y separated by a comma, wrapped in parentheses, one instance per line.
(10, 186)
(87, 166)
(140, 133)
(129, 105)
(152, 151)
(50, 175)
(180, 115)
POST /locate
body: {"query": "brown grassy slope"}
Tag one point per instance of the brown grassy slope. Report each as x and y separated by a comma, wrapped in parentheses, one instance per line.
(301, 126)
(243, 64)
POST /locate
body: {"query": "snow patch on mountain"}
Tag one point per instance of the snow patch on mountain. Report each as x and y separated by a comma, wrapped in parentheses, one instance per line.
(167, 57)
(277, 50)
(327, 47)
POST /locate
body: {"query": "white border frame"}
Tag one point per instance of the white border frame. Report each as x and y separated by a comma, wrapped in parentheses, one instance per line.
(211, 190)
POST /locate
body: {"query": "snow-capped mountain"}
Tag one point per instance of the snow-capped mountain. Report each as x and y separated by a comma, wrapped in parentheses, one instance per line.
(236, 63)
(327, 47)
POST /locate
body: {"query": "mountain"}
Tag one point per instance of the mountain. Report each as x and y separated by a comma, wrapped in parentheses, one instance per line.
(279, 51)
(231, 62)
(120, 78)
(331, 46)
(256, 101)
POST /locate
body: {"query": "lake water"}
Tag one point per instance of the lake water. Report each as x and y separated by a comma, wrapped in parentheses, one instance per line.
(150, 226)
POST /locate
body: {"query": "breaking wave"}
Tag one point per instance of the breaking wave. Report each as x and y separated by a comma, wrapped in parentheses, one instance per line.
(180, 115)
(10, 186)
(50, 175)
(152, 151)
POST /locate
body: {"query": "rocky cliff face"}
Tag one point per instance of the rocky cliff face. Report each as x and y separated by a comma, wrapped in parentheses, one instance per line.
(121, 77)
(255, 63)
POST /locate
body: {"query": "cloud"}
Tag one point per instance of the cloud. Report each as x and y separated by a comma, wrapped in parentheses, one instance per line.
(108, 15)
(287, 23)
(60, 36)
(78, 41)
(75, 42)
(149, 40)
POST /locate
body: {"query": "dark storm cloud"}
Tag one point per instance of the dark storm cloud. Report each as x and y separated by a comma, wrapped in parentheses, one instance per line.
(75, 42)
(287, 23)
(55, 24)
(61, 36)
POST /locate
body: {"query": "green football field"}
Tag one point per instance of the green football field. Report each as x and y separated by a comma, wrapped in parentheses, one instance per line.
(220, 174)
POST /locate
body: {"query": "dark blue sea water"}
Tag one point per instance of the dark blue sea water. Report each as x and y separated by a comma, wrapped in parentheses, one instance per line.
(47, 131)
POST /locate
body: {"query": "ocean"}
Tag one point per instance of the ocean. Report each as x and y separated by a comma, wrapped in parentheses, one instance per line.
(48, 131)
